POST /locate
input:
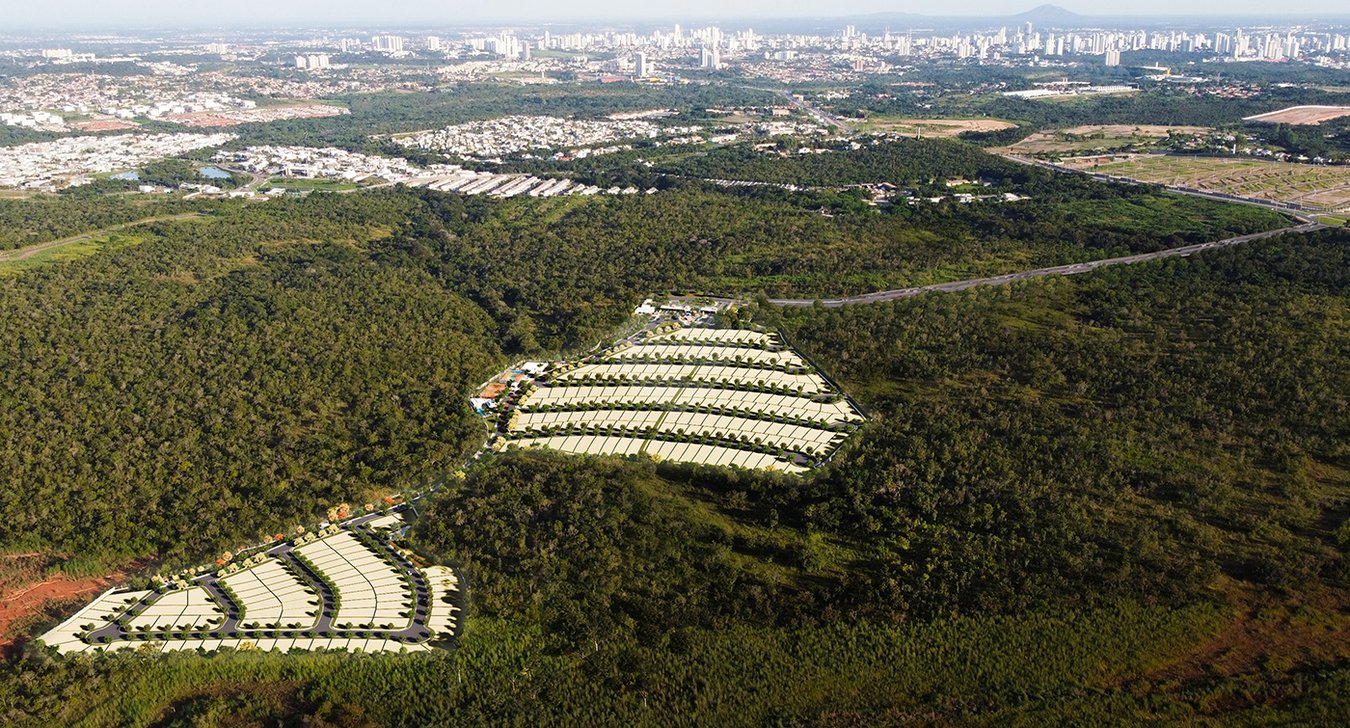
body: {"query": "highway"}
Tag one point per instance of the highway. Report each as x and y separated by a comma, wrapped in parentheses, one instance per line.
(823, 117)
(1058, 270)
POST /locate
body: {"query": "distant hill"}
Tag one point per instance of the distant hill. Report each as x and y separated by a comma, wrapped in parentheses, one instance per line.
(1049, 15)
(1044, 15)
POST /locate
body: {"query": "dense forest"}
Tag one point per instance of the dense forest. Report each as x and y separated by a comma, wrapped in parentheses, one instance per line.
(268, 360)
(1071, 493)
(553, 269)
(199, 386)
(904, 161)
(24, 221)
(1115, 497)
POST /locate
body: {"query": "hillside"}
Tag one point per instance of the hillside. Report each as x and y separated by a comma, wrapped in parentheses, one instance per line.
(1017, 524)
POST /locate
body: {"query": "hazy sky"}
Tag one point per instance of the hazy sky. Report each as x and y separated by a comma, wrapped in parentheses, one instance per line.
(16, 14)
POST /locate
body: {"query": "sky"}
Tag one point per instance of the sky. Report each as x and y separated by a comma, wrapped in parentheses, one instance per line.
(19, 14)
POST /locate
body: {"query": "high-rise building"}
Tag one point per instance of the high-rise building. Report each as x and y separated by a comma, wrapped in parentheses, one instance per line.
(643, 67)
(312, 61)
(387, 43)
(1113, 58)
(434, 43)
(710, 58)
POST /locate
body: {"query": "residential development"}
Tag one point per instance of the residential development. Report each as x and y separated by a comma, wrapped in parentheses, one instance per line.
(329, 163)
(713, 396)
(73, 161)
(510, 135)
(344, 587)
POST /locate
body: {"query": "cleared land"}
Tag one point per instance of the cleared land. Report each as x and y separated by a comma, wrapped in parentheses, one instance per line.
(235, 117)
(77, 246)
(711, 396)
(340, 588)
(1302, 115)
(934, 128)
(1100, 137)
(1314, 186)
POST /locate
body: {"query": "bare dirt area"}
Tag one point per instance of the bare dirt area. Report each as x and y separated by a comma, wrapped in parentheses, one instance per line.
(1101, 137)
(1126, 130)
(1302, 115)
(940, 128)
(1316, 186)
(27, 591)
(1268, 636)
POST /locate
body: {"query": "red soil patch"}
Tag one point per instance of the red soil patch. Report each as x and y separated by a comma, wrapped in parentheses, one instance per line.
(203, 118)
(1269, 636)
(103, 125)
(492, 391)
(22, 602)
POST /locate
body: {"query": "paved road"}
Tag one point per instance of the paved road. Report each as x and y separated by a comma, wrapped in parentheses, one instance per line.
(1293, 209)
(415, 631)
(1059, 270)
(824, 117)
(29, 251)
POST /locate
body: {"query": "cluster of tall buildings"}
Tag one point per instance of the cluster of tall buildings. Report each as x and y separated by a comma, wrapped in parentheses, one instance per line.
(387, 43)
(711, 47)
(505, 45)
(1271, 45)
(312, 61)
(710, 57)
(663, 40)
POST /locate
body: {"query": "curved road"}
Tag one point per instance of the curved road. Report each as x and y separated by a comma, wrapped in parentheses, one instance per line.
(1058, 270)
(231, 628)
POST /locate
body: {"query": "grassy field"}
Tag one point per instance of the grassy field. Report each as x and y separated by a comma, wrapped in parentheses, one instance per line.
(81, 248)
(932, 128)
(1100, 137)
(75, 247)
(310, 184)
(1277, 181)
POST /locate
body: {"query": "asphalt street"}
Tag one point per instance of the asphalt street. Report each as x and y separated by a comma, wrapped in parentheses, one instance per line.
(1058, 270)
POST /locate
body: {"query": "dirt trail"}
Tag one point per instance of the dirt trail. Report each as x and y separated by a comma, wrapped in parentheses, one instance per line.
(28, 251)
(1266, 636)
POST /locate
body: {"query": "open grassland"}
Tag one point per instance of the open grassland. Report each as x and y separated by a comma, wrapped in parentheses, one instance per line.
(1327, 187)
(1095, 137)
(288, 183)
(16, 261)
(75, 247)
(933, 128)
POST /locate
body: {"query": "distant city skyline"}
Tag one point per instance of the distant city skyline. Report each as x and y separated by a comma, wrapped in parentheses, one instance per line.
(163, 13)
